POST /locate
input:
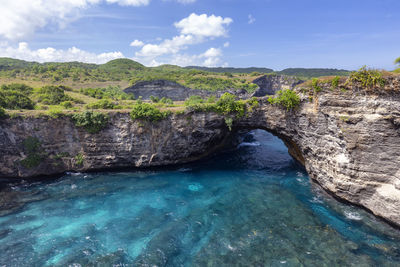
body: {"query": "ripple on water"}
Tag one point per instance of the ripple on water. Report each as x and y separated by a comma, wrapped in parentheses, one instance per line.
(250, 207)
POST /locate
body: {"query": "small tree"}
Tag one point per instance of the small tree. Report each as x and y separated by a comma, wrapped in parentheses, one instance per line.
(397, 61)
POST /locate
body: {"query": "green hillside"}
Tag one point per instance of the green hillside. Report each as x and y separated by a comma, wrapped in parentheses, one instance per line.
(232, 70)
(313, 73)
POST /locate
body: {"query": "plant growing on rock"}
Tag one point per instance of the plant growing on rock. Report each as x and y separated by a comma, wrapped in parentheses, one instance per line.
(93, 122)
(3, 113)
(148, 112)
(154, 99)
(229, 123)
(335, 82)
(286, 98)
(79, 159)
(227, 104)
(315, 85)
(32, 147)
(252, 104)
(366, 78)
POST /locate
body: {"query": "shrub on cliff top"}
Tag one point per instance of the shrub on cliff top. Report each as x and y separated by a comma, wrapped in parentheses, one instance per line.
(286, 98)
(52, 95)
(315, 85)
(102, 104)
(11, 99)
(147, 112)
(93, 122)
(19, 87)
(367, 77)
(227, 104)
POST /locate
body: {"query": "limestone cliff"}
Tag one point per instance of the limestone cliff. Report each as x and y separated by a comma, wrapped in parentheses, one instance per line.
(271, 83)
(174, 91)
(348, 140)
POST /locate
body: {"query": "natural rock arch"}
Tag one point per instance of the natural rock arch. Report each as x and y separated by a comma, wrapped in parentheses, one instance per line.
(348, 143)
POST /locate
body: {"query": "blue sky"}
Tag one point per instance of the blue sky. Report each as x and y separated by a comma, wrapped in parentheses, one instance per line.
(264, 33)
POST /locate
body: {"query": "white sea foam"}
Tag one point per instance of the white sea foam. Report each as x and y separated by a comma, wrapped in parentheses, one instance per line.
(249, 144)
(352, 215)
(74, 173)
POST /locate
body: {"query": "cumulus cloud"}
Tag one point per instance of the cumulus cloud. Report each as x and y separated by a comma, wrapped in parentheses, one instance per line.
(210, 58)
(49, 54)
(137, 43)
(21, 18)
(194, 29)
(203, 25)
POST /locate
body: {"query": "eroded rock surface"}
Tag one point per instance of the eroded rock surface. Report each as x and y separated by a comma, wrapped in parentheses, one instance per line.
(271, 83)
(349, 142)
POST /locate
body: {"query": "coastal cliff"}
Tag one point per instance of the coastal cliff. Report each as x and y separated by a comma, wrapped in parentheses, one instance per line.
(348, 140)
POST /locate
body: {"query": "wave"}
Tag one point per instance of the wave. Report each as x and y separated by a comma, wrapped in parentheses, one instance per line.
(353, 215)
(249, 144)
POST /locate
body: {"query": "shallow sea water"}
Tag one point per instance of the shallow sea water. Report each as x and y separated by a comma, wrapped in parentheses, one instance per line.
(251, 206)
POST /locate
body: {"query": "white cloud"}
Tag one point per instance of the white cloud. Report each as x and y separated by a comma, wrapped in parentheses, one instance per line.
(168, 46)
(22, 51)
(21, 18)
(129, 2)
(203, 25)
(251, 19)
(194, 29)
(212, 52)
(137, 43)
(210, 58)
(227, 44)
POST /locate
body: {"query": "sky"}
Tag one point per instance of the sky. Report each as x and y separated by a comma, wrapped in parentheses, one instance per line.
(277, 34)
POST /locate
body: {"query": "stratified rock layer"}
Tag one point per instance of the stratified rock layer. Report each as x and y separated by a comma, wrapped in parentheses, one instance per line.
(271, 83)
(349, 142)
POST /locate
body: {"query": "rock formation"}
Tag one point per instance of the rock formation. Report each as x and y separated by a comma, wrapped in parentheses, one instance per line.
(348, 140)
(175, 91)
(271, 83)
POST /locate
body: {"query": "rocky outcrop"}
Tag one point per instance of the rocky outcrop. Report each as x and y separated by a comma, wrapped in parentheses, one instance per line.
(175, 91)
(271, 83)
(349, 142)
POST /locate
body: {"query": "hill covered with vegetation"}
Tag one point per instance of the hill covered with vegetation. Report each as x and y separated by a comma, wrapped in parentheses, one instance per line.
(122, 72)
(126, 72)
(232, 70)
(313, 73)
(302, 73)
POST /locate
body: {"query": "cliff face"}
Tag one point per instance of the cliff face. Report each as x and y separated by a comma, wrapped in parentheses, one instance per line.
(123, 143)
(349, 142)
(174, 91)
(270, 84)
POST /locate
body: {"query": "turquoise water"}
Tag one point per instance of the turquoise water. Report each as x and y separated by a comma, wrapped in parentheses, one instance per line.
(251, 206)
